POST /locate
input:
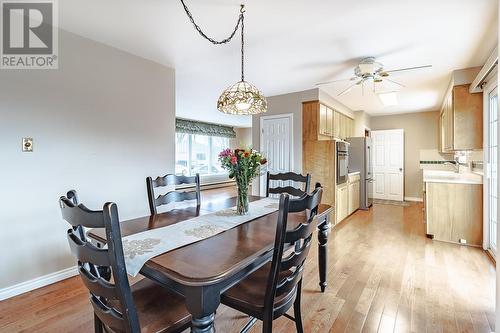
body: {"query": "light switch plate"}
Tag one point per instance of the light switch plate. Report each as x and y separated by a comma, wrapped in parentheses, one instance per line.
(27, 145)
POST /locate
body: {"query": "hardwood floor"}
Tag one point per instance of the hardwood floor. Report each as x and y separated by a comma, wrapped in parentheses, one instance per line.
(384, 276)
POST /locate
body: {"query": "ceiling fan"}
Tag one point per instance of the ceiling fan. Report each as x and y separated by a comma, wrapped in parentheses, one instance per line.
(370, 70)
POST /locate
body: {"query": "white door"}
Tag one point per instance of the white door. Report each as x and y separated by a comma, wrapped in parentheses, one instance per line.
(276, 144)
(388, 162)
(491, 152)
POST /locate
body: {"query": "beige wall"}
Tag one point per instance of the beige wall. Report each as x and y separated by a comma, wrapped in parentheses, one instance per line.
(281, 104)
(101, 123)
(243, 138)
(421, 132)
(362, 121)
(292, 103)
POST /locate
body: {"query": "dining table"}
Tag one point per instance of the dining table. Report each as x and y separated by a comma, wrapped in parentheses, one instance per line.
(202, 271)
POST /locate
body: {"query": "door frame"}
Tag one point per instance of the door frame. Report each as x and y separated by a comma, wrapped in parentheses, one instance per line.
(492, 81)
(403, 167)
(262, 190)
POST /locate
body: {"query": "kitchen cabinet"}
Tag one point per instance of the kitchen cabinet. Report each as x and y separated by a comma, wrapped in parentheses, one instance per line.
(336, 124)
(329, 121)
(461, 120)
(454, 212)
(323, 116)
(319, 151)
(321, 122)
(342, 202)
(442, 130)
(343, 126)
(325, 121)
(353, 194)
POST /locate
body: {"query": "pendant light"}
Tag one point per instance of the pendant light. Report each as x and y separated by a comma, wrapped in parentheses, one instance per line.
(242, 98)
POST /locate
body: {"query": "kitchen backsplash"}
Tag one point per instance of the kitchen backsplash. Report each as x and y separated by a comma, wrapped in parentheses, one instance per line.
(432, 159)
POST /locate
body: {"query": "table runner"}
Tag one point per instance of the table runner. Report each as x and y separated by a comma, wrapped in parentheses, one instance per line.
(139, 248)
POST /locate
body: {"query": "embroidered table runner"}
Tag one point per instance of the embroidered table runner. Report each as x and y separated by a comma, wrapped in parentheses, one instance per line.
(139, 248)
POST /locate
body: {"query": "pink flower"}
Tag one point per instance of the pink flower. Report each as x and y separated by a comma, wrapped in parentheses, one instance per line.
(225, 153)
(234, 160)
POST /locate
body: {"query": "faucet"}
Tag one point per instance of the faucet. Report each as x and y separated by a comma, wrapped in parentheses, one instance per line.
(456, 164)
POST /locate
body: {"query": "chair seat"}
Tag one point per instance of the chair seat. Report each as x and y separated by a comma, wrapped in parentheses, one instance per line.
(248, 296)
(158, 309)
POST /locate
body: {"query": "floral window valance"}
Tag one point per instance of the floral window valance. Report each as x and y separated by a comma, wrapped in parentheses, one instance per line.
(200, 128)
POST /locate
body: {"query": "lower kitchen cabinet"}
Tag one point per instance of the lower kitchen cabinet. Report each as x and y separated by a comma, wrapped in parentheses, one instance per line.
(353, 197)
(454, 212)
(342, 202)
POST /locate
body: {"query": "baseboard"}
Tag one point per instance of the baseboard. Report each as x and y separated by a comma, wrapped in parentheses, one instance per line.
(491, 256)
(415, 199)
(36, 283)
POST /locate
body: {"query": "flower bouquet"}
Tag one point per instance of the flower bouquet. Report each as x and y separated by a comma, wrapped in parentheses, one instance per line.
(243, 165)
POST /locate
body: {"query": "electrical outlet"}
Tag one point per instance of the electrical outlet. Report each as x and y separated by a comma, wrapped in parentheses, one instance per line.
(462, 241)
(27, 145)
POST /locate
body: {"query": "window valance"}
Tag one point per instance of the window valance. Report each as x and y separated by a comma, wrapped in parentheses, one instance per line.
(201, 128)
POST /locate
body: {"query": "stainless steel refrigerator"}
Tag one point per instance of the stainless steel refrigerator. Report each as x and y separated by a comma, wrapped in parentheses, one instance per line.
(360, 160)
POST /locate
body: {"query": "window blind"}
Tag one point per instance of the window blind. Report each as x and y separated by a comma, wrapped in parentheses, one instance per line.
(201, 128)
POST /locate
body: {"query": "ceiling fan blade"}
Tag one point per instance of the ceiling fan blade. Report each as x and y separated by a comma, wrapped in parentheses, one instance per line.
(352, 86)
(399, 84)
(348, 89)
(333, 81)
(408, 69)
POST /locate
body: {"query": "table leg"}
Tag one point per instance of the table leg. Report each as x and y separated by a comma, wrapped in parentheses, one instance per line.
(323, 229)
(203, 325)
(202, 303)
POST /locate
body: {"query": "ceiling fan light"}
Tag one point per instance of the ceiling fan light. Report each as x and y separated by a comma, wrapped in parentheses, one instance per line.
(242, 98)
(388, 98)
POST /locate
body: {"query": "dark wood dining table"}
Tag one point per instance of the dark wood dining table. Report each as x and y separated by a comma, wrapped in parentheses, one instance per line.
(202, 271)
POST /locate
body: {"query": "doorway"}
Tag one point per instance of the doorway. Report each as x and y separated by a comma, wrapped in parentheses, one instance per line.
(388, 164)
(276, 138)
(490, 93)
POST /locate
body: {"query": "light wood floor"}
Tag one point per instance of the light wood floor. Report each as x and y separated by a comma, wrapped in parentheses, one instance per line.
(384, 276)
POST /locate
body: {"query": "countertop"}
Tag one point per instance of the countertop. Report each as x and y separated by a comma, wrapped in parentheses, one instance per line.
(439, 176)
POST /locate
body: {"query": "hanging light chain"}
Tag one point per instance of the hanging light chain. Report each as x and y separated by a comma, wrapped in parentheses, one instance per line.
(211, 40)
(242, 11)
(241, 98)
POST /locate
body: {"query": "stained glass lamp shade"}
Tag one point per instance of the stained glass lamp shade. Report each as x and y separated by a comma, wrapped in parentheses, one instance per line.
(242, 98)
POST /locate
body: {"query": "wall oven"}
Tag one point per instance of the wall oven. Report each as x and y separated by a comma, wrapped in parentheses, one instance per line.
(342, 161)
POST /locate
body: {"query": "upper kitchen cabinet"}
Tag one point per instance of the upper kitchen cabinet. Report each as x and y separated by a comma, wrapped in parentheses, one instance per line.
(346, 127)
(461, 120)
(325, 121)
(317, 120)
(321, 122)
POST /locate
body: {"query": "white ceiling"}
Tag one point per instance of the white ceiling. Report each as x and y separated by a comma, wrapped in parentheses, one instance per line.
(291, 45)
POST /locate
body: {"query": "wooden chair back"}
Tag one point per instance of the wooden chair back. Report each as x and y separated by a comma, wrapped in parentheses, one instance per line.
(172, 196)
(112, 301)
(285, 180)
(280, 279)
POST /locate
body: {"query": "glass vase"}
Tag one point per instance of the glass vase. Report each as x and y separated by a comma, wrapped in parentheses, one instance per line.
(242, 201)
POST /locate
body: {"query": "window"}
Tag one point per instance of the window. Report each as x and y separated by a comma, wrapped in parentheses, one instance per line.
(198, 154)
(492, 166)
